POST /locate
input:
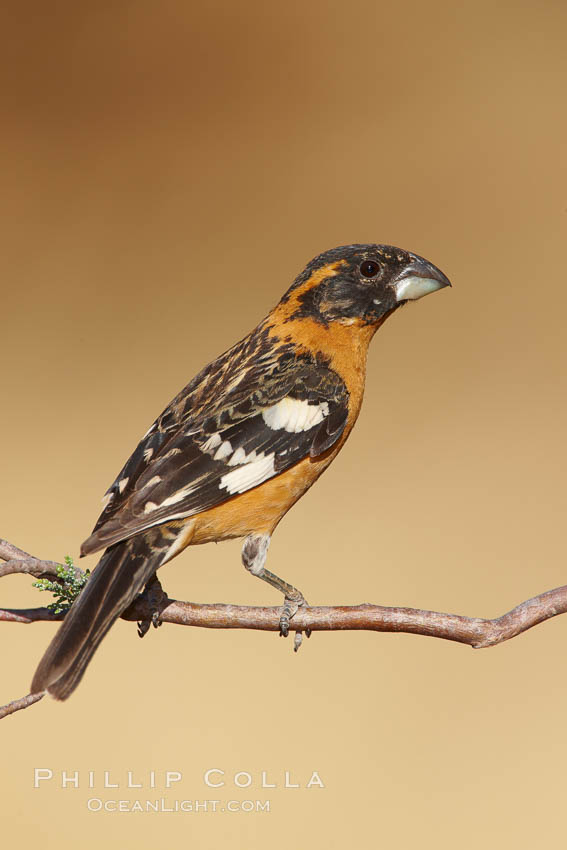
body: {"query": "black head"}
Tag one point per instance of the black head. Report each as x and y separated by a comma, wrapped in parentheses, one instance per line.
(361, 284)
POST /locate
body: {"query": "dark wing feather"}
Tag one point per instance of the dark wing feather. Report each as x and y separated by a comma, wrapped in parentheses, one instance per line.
(220, 437)
(226, 381)
(330, 430)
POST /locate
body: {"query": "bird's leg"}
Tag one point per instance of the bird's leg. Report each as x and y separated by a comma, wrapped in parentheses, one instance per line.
(254, 552)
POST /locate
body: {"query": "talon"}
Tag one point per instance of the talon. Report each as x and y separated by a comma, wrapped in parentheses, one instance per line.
(297, 641)
(284, 624)
(156, 620)
(143, 626)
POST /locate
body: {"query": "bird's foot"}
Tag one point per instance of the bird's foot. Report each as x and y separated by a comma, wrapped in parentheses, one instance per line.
(156, 599)
(292, 603)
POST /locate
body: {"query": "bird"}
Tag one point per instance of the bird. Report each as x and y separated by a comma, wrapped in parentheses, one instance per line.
(241, 443)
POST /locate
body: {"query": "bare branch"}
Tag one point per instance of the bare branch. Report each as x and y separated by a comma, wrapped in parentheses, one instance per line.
(473, 631)
(30, 566)
(9, 551)
(29, 615)
(18, 704)
(18, 561)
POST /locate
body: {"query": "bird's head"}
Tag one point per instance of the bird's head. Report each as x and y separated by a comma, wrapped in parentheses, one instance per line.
(360, 284)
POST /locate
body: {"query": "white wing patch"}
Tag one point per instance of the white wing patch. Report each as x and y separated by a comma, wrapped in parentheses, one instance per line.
(212, 443)
(249, 474)
(239, 456)
(294, 416)
(290, 415)
(224, 450)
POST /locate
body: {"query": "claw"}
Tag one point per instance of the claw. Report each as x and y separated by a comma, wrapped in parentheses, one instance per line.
(284, 620)
(143, 626)
(290, 607)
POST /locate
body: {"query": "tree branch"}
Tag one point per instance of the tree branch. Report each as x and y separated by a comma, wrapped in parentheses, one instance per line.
(9, 551)
(31, 566)
(473, 631)
(18, 704)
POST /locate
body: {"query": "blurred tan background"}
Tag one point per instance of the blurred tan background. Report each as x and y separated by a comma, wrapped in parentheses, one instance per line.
(167, 170)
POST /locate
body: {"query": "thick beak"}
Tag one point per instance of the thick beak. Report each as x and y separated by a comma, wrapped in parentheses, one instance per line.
(419, 278)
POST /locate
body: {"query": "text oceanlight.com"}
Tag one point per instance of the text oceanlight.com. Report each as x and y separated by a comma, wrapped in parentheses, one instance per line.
(161, 805)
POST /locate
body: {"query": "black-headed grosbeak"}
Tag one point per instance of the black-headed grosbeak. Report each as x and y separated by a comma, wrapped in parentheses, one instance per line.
(241, 443)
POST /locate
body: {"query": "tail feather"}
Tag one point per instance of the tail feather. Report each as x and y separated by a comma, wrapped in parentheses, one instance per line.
(119, 576)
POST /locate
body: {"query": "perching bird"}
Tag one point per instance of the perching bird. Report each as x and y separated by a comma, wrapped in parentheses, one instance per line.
(241, 443)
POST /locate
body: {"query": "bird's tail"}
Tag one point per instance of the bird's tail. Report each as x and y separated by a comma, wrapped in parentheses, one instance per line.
(119, 576)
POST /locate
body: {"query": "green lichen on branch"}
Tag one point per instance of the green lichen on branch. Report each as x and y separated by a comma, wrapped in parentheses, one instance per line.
(69, 583)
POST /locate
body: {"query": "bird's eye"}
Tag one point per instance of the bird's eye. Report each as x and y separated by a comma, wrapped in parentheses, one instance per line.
(369, 268)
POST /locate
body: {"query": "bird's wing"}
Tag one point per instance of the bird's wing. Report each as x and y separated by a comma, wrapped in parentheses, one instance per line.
(232, 428)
